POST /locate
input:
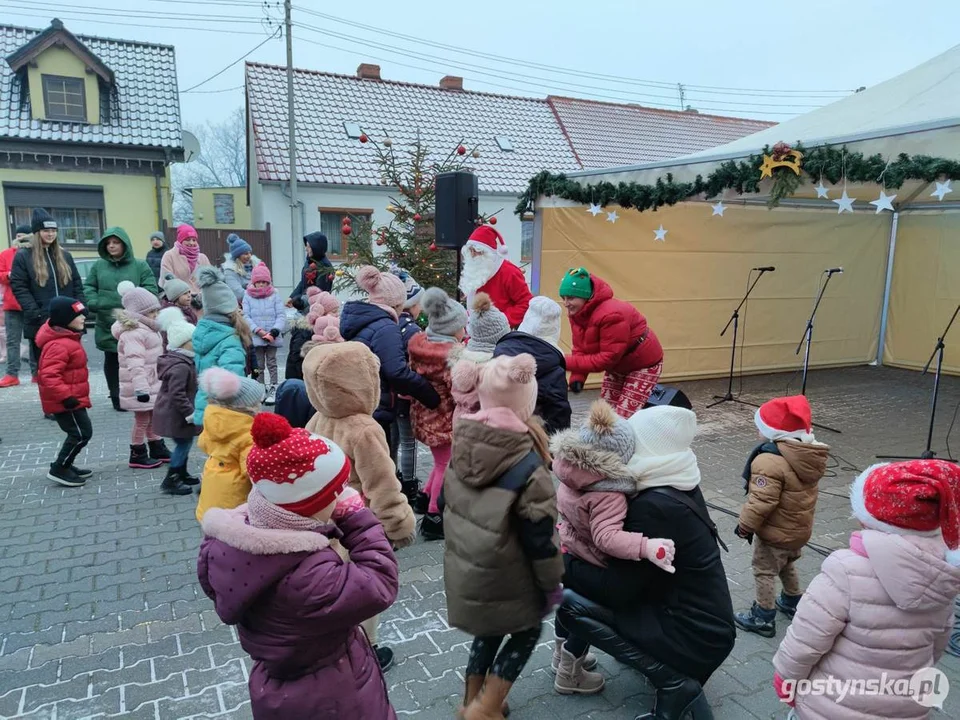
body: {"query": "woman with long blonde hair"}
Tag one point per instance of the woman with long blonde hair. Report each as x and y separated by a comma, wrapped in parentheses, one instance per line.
(41, 272)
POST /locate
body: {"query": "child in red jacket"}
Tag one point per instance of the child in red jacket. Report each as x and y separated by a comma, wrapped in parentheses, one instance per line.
(65, 385)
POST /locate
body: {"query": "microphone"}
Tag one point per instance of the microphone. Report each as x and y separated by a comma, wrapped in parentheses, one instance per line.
(831, 271)
(768, 268)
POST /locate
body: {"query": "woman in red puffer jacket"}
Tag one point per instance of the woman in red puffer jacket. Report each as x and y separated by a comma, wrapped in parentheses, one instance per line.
(610, 336)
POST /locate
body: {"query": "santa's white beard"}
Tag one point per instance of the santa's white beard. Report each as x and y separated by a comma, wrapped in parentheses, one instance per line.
(477, 271)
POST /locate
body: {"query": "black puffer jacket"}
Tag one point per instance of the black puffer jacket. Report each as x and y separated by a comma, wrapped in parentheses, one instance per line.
(153, 260)
(408, 328)
(317, 271)
(553, 407)
(34, 298)
(375, 327)
(299, 336)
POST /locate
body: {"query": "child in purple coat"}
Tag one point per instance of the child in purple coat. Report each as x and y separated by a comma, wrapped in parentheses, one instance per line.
(296, 601)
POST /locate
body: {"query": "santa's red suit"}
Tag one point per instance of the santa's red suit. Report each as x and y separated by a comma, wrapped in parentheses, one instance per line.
(491, 272)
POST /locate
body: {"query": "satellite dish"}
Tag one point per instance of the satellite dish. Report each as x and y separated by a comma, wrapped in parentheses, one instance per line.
(191, 146)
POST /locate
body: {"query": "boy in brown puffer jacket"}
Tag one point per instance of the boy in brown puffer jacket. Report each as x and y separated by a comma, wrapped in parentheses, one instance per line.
(781, 481)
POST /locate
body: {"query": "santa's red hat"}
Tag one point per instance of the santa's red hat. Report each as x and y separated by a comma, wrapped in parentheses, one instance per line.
(293, 468)
(486, 237)
(787, 418)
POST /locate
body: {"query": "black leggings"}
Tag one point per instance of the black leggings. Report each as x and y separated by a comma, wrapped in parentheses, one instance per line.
(392, 434)
(111, 370)
(508, 663)
(76, 424)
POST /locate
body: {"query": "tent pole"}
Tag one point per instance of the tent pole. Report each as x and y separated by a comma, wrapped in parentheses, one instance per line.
(536, 250)
(886, 289)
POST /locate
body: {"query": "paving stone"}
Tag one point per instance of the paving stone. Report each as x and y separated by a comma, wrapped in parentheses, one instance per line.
(137, 695)
(39, 695)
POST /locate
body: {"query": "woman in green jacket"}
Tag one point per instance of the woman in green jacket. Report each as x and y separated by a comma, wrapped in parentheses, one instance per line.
(116, 263)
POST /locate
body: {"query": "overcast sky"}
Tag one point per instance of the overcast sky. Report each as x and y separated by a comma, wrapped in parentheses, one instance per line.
(798, 53)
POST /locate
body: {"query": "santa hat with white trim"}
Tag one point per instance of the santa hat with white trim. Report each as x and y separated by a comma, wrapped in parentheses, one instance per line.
(917, 497)
(786, 418)
(293, 468)
(485, 237)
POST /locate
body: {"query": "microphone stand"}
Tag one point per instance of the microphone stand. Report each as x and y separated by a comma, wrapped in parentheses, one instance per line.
(808, 339)
(735, 319)
(928, 453)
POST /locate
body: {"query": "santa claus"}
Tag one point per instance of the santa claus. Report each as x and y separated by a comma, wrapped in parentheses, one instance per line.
(487, 269)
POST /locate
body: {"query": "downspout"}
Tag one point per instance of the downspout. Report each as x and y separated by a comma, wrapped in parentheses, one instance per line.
(889, 282)
(156, 179)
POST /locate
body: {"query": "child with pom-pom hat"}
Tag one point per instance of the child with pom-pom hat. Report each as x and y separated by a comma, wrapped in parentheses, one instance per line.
(298, 606)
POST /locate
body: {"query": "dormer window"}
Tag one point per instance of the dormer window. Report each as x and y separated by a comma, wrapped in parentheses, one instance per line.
(64, 98)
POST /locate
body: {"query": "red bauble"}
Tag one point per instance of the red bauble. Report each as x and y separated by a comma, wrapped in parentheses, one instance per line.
(363, 137)
(492, 221)
(461, 150)
(346, 229)
(416, 217)
(433, 246)
(380, 241)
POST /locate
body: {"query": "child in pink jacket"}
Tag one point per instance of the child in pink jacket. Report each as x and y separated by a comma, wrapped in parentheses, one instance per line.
(595, 481)
(881, 610)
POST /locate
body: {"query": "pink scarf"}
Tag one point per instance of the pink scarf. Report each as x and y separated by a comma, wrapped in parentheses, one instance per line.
(189, 253)
(260, 293)
(856, 544)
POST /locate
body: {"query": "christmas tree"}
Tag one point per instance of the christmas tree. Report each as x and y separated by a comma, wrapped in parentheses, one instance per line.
(407, 241)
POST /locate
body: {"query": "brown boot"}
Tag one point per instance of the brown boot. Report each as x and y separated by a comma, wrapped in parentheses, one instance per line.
(473, 685)
(489, 704)
(572, 678)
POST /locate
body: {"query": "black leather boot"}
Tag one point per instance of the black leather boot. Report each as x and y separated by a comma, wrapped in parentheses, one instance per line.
(158, 450)
(173, 484)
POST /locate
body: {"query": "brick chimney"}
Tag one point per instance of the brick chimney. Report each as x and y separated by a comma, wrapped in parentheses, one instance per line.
(367, 71)
(451, 82)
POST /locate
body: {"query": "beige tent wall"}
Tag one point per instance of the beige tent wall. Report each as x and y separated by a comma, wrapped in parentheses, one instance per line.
(925, 289)
(688, 286)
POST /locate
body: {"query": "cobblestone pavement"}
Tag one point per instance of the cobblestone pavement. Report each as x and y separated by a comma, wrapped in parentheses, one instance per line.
(101, 614)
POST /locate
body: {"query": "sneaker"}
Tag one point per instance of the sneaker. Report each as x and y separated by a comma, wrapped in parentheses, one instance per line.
(140, 458)
(787, 604)
(384, 657)
(81, 472)
(271, 398)
(9, 381)
(431, 526)
(758, 620)
(64, 476)
(35, 379)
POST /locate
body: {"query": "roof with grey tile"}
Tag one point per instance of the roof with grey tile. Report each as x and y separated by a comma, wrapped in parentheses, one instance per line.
(144, 109)
(443, 118)
(612, 135)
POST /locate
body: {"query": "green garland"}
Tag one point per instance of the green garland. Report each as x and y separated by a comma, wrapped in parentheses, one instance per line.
(833, 164)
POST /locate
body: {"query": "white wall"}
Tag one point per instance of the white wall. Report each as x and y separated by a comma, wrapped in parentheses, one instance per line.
(274, 207)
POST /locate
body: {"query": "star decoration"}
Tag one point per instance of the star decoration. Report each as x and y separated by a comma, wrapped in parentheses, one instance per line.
(943, 188)
(844, 202)
(595, 209)
(884, 202)
(766, 169)
(822, 191)
(718, 209)
(612, 216)
(660, 235)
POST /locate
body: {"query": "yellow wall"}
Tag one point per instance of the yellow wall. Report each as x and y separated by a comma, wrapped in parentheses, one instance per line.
(60, 61)
(205, 217)
(688, 286)
(129, 200)
(925, 290)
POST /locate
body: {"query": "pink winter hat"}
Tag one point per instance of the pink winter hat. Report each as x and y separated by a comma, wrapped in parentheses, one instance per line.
(261, 273)
(136, 299)
(326, 329)
(509, 382)
(185, 232)
(383, 288)
(321, 303)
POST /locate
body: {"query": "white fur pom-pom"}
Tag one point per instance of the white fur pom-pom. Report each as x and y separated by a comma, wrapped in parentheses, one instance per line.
(125, 286)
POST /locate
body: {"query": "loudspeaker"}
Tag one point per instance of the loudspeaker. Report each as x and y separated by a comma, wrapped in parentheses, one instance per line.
(663, 395)
(456, 208)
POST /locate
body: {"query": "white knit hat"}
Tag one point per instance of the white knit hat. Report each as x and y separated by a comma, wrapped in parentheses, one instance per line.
(663, 430)
(542, 320)
(174, 324)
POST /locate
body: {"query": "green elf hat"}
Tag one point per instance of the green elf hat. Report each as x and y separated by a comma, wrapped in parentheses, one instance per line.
(576, 283)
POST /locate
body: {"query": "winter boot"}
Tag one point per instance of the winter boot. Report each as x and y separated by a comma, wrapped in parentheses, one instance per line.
(681, 700)
(385, 657)
(173, 484)
(758, 620)
(431, 526)
(421, 503)
(589, 660)
(410, 490)
(488, 705)
(140, 458)
(787, 604)
(158, 451)
(572, 678)
(64, 476)
(187, 478)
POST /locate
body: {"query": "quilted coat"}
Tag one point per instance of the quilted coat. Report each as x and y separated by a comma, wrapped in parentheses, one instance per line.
(610, 335)
(237, 277)
(33, 299)
(429, 359)
(300, 334)
(265, 314)
(502, 553)
(378, 330)
(297, 607)
(884, 606)
(553, 407)
(176, 264)
(464, 389)
(216, 344)
(178, 389)
(154, 258)
(783, 491)
(226, 440)
(139, 347)
(100, 286)
(63, 369)
(317, 271)
(345, 402)
(6, 264)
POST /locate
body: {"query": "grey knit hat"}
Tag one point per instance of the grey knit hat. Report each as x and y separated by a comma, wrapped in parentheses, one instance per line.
(228, 390)
(603, 430)
(444, 315)
(486, 325)
(174, 287)
(217, 296)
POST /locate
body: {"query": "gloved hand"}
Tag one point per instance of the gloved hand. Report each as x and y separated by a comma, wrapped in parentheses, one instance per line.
(659, 551)
(782, 693)
(143, 397)
(740, 532)
(275, 333)
(70, 403)
(348, 502)
(552, 600)
(576, 387)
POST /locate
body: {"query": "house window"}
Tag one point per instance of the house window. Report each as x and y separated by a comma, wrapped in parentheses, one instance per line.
(223, 209)
(64, 99)
(331, 222)
(526, 240)
(75, 226)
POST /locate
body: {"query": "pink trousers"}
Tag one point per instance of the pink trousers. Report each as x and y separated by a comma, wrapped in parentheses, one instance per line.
(441, 458)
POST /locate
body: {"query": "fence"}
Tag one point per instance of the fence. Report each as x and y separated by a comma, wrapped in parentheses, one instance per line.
(213, 242)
